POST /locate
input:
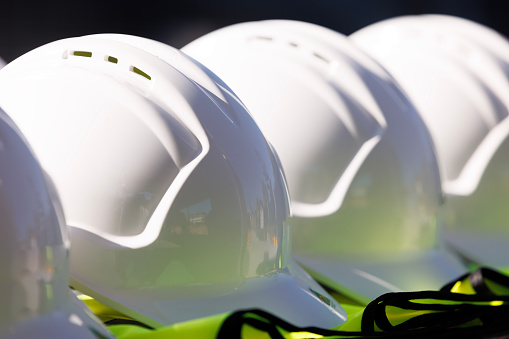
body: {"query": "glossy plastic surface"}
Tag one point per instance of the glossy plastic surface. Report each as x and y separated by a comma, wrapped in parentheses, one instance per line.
(456, 72)
(36, 300)
(176, 204)
(363, 179)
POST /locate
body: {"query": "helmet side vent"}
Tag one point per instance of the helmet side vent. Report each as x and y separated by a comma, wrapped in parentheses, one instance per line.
(82, 54)
(266, 38)
(140, 72)
(111, 59)
(321, 57)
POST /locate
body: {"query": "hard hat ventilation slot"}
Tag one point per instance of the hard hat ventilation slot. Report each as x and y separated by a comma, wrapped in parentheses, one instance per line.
(111, 59)
(266, 38)
(321, 57)
(293, 44)
(140, 72)
(82, 54)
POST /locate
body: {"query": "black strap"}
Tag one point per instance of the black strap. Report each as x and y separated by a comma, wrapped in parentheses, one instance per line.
(445, 324)
(478, 280)
(232, 326)
(119, 321)
(448, 315)
(448, 287)
(439, 315)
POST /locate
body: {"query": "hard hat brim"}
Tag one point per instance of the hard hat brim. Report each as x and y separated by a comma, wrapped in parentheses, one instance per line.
(289, 293)
(363, 279)
(479, 247)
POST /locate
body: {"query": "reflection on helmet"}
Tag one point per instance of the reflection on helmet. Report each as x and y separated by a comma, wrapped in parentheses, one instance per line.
(2, 63)
(176, 204)
(457, 73)
(361, 172)
(36, 299)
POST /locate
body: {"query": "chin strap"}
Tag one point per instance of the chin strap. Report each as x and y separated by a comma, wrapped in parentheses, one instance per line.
(474, 305)
(483, 281)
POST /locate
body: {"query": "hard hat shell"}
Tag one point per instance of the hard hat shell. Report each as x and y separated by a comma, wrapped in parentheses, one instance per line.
(36, 299)
(456, 73)
(176, 205)
(487, 38)
(362, 175)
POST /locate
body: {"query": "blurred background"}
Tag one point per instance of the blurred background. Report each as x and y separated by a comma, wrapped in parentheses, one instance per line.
(26, 25)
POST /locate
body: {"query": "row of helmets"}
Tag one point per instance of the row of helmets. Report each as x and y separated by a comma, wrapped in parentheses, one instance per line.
(178, 207)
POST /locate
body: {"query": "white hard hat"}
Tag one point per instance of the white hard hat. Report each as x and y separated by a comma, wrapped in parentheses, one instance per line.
(36, 299)
(456, 73)
(487, 38)
(362, 175)
(176, 204)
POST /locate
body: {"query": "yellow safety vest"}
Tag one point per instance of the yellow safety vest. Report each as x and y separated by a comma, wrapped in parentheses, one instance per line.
(475, 305)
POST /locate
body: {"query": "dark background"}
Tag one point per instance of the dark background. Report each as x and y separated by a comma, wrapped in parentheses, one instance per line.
(25, 25)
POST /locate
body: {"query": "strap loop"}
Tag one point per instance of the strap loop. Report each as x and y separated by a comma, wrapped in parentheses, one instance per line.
(437, 314)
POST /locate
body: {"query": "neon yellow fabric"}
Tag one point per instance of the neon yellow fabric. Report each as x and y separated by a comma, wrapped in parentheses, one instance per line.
(398, 315)
(203, 328)
(103, 312)
(493, 302)
(252, 333)
(497, 288)
(208, 328)
(463, 286)
(130, 331)
(353, 322)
